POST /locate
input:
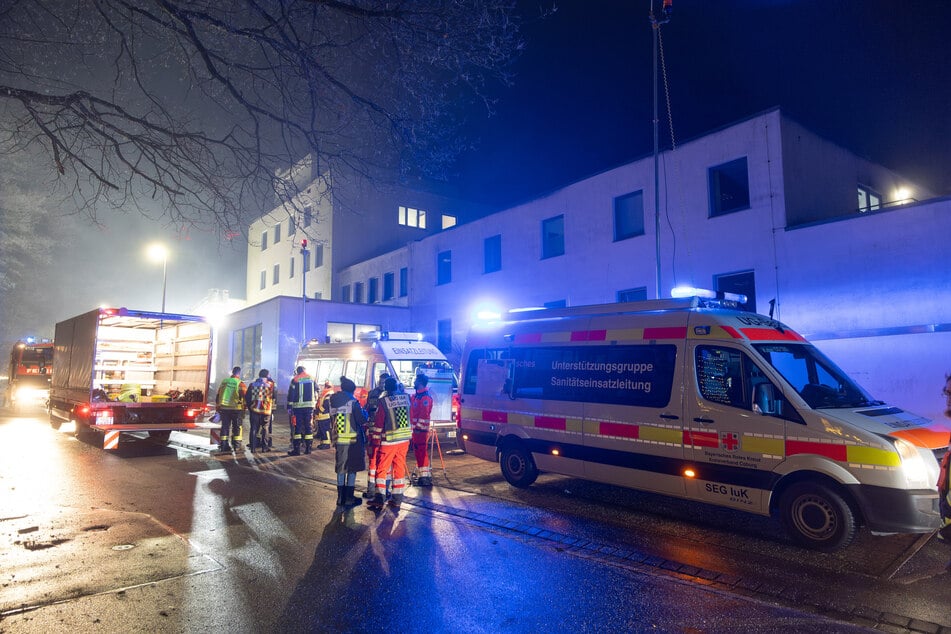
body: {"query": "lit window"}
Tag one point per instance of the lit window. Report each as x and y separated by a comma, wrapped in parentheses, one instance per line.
(869, 200)
(448, 221)
(411, 217)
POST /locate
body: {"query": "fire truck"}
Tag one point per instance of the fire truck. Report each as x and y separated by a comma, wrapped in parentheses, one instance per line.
(31, 367)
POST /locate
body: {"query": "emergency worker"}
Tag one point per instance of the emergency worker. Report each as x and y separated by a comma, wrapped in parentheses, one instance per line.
(301, 399)
(259, 400)
(392, 422)
(421, 407)
(229, 403)
(347, 431)
(944, 477)
(373, 437)
(322, 414)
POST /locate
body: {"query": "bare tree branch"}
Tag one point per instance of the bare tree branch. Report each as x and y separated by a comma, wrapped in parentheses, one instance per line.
(202, 104)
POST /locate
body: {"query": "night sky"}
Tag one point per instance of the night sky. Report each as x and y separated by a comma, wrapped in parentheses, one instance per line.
(871, 75)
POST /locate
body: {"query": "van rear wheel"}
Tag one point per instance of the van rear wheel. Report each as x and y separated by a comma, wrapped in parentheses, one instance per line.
(517, 464)
(817, 517)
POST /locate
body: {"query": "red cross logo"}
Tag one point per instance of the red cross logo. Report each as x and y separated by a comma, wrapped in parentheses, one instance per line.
(729, 441)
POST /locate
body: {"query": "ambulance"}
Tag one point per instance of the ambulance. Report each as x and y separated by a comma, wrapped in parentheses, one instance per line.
(402, 355)
(694, 399)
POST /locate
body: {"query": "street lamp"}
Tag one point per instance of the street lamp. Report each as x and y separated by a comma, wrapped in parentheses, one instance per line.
(158, 253)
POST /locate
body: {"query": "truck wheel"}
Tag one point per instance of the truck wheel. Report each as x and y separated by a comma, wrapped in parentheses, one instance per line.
(160, 436)
(517, 464)
(55, 423)
(817, 517)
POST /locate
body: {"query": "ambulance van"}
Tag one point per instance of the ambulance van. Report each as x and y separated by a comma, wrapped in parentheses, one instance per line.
(402, 355)
(687, 398)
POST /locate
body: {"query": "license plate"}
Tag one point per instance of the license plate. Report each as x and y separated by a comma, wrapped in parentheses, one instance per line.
(451, 434)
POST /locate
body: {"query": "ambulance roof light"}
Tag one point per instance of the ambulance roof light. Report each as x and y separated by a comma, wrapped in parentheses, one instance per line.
(689, 291)
(389, 335)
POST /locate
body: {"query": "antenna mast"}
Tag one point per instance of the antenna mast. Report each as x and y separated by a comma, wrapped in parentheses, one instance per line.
(656, 23)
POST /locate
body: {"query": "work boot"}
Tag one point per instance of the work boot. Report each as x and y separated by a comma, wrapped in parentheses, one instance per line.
(224, 447)
(396, 501)
(324, 445)
(341, 492)
(349, 499)
(377, 502)
(307, 446)
(296, 450)
(425, 481)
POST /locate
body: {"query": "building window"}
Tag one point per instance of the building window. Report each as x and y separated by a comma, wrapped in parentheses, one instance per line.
(404, 282)
(306, 254)
(553, 237)
(345, 293)
(308, 215)
(264, 241)
(638, 294)
(373, 289)
(444, 335)
(246, 345)
(629, 216)
(290, 274)
(448, 221)
(277, 233)
(410, 217)
(869, 200)
(358, 292)
(729, 187)
(558, 303)
(263, 280)
(318, 255)
(291, 227)
(492, 249)
(444, 267)
(277, 274)
(743, 283)
(388, 284)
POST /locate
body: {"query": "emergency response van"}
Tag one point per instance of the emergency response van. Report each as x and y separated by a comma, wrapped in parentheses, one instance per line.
(687, 398)
(402, 355)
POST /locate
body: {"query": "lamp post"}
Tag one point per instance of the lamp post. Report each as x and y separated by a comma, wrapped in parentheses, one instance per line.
(655, 27)
(157, 252)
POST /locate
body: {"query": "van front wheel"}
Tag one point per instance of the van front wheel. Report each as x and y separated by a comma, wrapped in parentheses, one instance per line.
(517, 464)
(817, 517)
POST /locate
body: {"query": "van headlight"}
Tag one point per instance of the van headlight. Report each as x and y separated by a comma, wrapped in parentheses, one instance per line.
(912, 464)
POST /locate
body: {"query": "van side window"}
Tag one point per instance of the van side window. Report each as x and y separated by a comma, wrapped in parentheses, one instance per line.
(472, 366)
(727, 376)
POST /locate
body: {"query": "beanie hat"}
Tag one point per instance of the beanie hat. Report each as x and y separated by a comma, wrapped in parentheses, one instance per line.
(347, 385)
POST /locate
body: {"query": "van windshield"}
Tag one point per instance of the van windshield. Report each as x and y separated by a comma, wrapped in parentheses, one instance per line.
(817, 379)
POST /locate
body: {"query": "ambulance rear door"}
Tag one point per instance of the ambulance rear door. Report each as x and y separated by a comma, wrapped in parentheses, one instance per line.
(732, 439)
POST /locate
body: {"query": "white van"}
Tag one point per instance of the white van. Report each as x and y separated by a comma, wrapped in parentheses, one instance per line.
(690, 399)
(402, 355)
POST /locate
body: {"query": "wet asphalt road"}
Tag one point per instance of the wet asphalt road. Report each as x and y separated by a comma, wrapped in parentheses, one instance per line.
(165, 539)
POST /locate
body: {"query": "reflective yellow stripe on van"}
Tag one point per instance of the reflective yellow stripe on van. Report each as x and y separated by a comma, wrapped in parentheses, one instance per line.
(662, 435)
(769, 446)
(871, 456)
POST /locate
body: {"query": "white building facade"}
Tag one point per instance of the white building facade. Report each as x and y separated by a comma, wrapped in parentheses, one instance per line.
(844, 251)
